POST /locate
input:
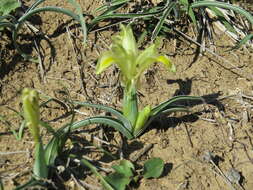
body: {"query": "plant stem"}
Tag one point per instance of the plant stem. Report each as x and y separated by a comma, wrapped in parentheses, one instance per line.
(130, 104)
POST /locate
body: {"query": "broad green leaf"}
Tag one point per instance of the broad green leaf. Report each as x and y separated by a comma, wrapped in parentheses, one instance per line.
(112, 122)
(163, 106)
(153, 168)
(114, 112)
(6, 6)
(118, 181)
(54, 147)
(158, 114)
(142, 118)
(125, 168)
(40, 169)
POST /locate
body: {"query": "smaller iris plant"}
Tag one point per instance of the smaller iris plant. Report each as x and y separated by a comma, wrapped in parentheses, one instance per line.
(30, 100)
(132, 63)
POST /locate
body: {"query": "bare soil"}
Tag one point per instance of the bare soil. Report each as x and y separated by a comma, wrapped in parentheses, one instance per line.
(222, 128)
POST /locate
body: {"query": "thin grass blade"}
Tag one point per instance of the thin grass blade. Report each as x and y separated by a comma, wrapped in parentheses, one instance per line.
(81, 18)
(162, 19)
(221, 17)
(111, 4)
(93, 169)
(237, 9)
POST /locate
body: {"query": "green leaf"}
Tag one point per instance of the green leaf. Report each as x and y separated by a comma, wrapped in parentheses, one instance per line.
(118, 181)
(55, 145)
(142, 118)
(112, 122)
(122, 175)
(153, 168)
(40, 167)
(192, 16)
(113, 111)
(125, 168)
(6, 6)
(163, 106)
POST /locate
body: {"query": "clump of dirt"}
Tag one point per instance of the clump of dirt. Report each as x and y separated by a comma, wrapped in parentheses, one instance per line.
(221, 128)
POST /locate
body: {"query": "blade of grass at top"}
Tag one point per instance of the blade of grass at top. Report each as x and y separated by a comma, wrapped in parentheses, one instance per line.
(34, 5)
(237, 9)
(161, 107)
(221, 17)
(115, 112)
(111, 4)
(162, 19)
(111, 10)
(189, 10)
(104, 120)
(125, 15)
(81, 19)
(32, 12)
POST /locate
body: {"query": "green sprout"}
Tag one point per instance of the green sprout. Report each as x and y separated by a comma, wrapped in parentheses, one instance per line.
(30, 101)
(132, 63)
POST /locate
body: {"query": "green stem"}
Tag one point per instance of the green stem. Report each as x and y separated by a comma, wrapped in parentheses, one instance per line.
(130, 104)
(40, 167)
